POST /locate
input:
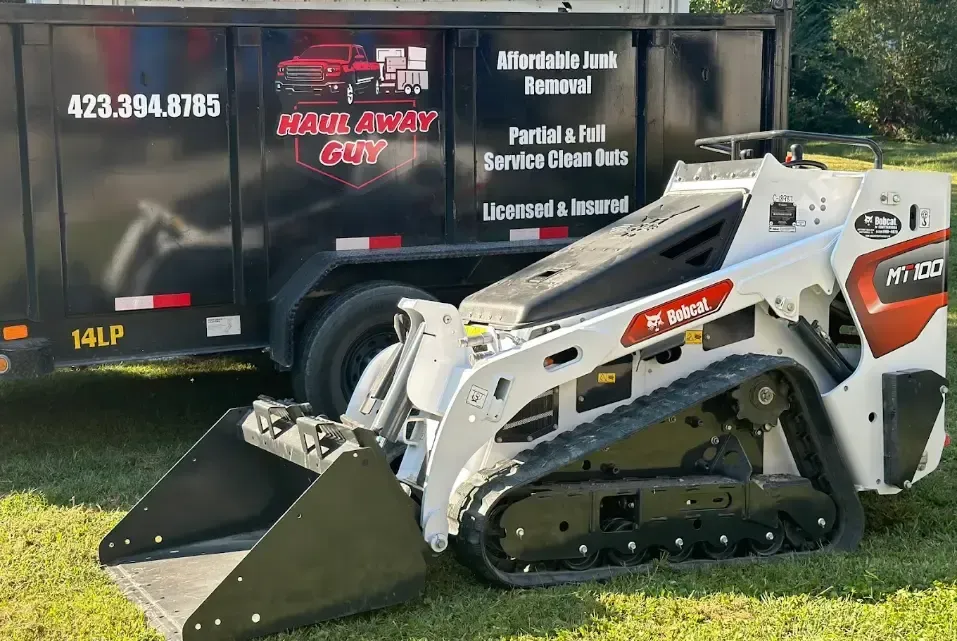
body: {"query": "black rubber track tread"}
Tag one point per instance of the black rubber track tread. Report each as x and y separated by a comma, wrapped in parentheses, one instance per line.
(806, 426)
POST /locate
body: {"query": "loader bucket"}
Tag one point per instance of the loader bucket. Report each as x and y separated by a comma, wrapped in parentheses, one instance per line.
(237, 541)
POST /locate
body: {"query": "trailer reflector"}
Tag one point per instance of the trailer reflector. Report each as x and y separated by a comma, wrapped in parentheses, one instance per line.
(369, 242)
(15, 332)
(538, 233)
(4, 364)
(158, 301)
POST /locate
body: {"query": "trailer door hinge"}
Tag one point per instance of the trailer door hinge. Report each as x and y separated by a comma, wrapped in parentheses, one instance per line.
(660, 38)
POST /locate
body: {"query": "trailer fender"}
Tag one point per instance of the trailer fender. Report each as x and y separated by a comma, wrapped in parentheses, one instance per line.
(285, 304)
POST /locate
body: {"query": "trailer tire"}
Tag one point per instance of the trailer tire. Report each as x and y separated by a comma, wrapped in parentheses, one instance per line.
(352, 327)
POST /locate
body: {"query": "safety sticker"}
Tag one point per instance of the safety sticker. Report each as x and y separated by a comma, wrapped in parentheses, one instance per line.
(606, 377)
(475, 330)
(693, 337)
(223, 326)
(923, 218)
(477, 396)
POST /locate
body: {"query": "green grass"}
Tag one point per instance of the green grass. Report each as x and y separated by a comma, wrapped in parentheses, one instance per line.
(77, 449)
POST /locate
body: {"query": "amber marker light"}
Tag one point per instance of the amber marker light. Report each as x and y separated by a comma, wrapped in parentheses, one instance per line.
(15, 332)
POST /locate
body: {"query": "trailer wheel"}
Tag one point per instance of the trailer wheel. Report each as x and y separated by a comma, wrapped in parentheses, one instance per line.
(342, 340)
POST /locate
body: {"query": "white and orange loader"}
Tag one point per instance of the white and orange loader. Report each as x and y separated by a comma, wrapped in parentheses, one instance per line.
(688, 382)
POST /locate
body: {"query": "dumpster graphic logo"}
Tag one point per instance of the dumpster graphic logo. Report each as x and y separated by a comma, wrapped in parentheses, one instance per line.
(354, 120)
(344, 73)
(364, 158)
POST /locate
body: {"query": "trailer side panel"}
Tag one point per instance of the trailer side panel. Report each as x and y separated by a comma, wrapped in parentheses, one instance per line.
(13, 256)
(141, 115)
(556, 122)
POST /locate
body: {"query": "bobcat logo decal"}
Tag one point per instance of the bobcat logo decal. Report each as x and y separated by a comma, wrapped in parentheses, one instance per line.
(654, 321)
(868, 220)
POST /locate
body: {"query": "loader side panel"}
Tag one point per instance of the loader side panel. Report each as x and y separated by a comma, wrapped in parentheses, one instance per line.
(673, 240)
(144, 168)
(354, 141)
(13, 254)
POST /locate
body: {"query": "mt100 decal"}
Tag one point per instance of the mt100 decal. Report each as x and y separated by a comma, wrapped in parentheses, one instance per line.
(916, 273)
(677, 312)
(896, 290)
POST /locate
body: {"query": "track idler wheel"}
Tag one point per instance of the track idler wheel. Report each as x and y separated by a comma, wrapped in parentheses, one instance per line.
(769, 546)
(798, 539)
(684, 552)
(493, 547)
(624, 559)
(587, 562)
(722, 549)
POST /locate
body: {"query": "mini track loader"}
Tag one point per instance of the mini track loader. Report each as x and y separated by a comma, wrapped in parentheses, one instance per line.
(709, 379)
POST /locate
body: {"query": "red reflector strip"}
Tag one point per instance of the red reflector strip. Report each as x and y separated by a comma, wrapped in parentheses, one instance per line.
(946, 440)
(677, 312)
(369, 242)
(538, 233)
(385, 242)
(171, 300)
(159, 301)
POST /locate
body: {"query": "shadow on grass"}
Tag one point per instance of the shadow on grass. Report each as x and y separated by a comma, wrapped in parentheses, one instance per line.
(104, 436)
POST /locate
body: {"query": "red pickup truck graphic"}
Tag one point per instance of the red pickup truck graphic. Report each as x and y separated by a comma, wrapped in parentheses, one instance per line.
(339, 71)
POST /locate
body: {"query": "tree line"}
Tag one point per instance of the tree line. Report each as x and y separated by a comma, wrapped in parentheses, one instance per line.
(869, 66)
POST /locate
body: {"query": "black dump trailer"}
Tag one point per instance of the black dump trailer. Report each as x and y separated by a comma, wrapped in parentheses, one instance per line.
(187, 179)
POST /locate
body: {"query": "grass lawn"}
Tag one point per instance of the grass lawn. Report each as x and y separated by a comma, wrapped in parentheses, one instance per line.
(77, 450)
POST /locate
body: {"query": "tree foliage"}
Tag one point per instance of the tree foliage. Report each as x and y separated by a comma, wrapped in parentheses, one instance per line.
(817, 104)
(869, 65)
(899, 74)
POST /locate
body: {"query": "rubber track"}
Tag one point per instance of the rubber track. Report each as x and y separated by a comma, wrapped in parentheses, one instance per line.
(806, 425)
